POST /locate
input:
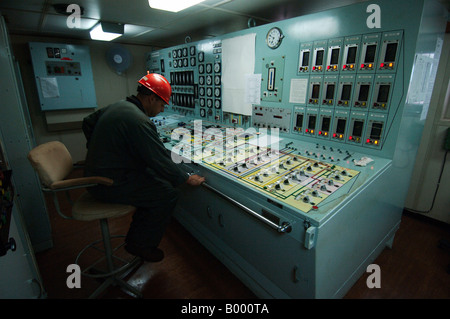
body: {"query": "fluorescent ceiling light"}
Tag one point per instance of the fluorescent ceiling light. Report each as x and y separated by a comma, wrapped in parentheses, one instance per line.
(172, 5)
(106, 31)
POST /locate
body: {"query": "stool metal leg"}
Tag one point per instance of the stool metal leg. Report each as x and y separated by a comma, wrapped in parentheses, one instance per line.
(107, 243)
(114, 279)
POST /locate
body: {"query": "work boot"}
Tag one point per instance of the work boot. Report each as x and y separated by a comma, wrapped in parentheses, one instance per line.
(151, 254)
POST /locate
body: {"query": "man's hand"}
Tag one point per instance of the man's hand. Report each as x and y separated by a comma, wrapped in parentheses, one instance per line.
(195, 180)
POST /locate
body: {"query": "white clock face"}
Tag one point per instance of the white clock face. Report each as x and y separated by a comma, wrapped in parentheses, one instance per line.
(274, 37)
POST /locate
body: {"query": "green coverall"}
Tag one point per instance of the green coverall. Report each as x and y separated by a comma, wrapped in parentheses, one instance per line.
(123, 144)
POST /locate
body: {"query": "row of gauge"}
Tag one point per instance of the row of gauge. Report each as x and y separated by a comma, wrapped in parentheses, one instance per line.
(181, 59)
(188, 100)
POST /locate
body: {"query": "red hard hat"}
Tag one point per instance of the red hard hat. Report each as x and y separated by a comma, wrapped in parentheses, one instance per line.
(158, 84)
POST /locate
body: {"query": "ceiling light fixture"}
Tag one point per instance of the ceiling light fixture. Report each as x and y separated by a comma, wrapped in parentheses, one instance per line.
(106, 31)
(172, 5)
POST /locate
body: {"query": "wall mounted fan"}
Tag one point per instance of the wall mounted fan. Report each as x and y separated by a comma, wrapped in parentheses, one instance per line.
(119, 58)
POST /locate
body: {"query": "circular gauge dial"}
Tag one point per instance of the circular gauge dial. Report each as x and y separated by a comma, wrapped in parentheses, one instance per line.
(217, 80)
(217, 67)
(274, 38)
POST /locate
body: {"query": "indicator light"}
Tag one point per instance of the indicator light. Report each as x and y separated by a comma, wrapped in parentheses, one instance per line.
(368, 141)
(350, 138)
(341, 136)
(375, 142)
(381, 65)
(320, 132)
(344, 66)
(306, 131)
(391, 65)
(334, 134)
(370, 65)
(351, 66)
(328, 67)
(335, 67)
(312, 131)
(362, 66)
(320, 68)
(326, 134)
(314, 67)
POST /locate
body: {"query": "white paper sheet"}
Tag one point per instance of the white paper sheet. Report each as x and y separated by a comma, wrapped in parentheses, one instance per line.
(49, 87)
(238, 61)
(253, 88)
(298, 91)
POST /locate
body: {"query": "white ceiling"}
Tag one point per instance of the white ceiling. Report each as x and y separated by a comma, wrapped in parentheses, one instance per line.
(144, 25)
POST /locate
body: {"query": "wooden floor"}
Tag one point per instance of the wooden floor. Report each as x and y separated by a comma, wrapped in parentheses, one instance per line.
(414, 268)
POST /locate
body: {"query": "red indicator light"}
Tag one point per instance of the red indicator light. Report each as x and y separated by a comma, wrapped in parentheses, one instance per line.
(362, 66)
(306, 130)
(328, 67)
(344, 67)
(350, 138)
(334, 134)
(381, 65)
(368, 140)
(314, 67)
(320, 132)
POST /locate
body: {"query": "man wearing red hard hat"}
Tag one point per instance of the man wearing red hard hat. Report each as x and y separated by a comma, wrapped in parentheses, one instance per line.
(123, 144)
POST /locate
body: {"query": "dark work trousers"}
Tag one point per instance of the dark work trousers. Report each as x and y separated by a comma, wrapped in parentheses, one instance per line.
(153, 210)
(149, 224)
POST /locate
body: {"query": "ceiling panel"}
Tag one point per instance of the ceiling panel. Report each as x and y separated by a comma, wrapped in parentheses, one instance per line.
(53, 23)
(29, 5)
(21, 20)
(155, 27)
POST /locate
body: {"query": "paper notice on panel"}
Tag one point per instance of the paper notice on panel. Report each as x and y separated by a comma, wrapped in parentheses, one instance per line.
(238, 60)
(49, 87)
(298, 91)
(253, 88)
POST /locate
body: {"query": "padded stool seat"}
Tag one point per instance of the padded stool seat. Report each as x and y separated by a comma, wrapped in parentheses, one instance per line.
(87, 208)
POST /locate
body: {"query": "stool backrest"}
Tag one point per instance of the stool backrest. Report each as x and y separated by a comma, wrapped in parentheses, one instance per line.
(52, 162)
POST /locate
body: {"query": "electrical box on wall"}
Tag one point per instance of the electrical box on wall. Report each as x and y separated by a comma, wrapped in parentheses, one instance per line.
(63, 75)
